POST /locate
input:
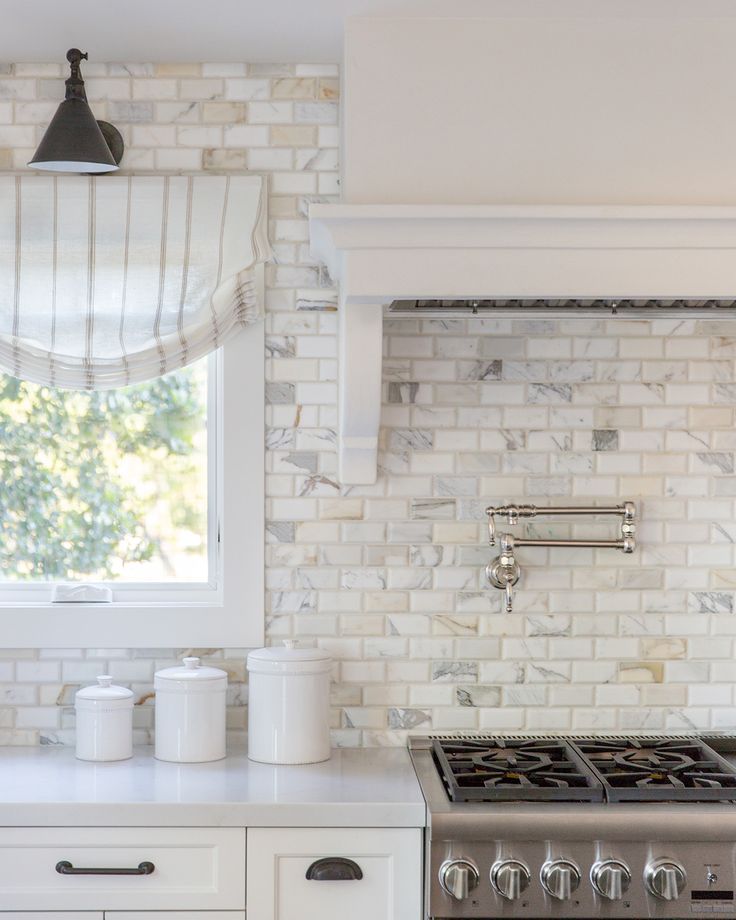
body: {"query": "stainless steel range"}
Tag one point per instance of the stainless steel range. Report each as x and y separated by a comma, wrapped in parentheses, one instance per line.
(574, 827)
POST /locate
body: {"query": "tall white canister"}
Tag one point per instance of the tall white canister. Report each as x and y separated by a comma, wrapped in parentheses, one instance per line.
(190, 713)
(289, 704)
(104, 724)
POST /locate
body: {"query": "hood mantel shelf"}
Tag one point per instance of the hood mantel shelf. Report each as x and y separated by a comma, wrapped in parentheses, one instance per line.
(381, 253)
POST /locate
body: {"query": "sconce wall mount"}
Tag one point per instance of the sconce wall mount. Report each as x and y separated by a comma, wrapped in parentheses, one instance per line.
(74, 140)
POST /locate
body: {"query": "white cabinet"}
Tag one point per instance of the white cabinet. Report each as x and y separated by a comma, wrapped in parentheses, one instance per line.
(193, 869)
(150, 915)
(51, 915)
(360, 874)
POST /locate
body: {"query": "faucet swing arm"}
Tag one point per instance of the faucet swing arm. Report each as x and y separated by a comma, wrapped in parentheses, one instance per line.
(513, 514)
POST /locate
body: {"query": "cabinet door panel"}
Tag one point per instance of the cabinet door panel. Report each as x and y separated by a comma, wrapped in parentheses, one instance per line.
(389, 863)
(195, 868)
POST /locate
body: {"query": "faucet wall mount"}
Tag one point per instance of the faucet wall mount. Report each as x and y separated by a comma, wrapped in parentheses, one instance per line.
(503, 572)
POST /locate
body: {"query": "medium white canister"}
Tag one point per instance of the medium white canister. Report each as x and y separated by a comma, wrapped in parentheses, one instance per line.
(289, 705)
(104, 726)
(190, 713)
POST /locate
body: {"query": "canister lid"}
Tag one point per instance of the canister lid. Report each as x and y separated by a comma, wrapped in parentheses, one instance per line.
(191, 673)
(104, 692)
(288, 659)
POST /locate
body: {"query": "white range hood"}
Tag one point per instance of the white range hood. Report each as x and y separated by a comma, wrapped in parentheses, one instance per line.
(382, 253)
(581, 149)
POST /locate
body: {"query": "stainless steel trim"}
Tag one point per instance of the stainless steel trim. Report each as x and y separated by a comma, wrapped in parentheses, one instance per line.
(570, 308)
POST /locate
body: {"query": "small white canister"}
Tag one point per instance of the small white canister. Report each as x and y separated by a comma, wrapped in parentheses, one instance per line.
(104, 721)
(289, 705)
(190, 713)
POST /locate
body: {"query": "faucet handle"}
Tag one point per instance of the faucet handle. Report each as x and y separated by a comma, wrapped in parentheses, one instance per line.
(491, 526)
(509, 589)
(503, 572)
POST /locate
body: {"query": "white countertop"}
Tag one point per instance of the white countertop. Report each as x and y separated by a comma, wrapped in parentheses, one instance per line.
(359, 787)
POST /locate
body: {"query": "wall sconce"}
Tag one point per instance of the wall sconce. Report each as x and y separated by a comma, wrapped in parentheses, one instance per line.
(74, 141)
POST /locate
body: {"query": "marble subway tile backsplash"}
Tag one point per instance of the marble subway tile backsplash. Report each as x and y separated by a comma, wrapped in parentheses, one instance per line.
(390, 578)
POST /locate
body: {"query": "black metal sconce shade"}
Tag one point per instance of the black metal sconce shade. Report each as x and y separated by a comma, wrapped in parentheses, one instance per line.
(74, 141)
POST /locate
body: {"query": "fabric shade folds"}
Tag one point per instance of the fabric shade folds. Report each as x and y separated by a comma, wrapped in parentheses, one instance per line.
(108, 281)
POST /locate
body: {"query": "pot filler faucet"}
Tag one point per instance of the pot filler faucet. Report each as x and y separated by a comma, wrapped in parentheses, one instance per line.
(503, 572)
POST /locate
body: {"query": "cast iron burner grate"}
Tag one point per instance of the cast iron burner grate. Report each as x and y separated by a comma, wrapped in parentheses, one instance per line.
(501, 770)
(658, 770)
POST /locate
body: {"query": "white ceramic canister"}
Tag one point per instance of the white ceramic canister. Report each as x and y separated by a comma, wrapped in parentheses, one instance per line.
(289, 705)
(104, 721)
(190, 713)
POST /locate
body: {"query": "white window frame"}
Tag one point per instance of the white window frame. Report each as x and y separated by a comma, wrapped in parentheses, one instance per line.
(229, 610)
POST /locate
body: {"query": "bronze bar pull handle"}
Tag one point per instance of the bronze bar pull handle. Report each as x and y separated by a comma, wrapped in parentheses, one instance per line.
(66, 868)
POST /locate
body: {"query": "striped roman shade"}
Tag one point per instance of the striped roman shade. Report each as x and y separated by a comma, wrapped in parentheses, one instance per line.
(110, 280)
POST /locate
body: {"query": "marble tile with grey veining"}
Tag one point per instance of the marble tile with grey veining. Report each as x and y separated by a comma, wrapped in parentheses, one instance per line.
(397, 370)
(472, 510)
(480, 370)
(725, 393)
(483, 695)
(579, 464)
(548, 625)
(604, 439)
(410, 439)
(364, 580)
(432, 509)
(454, 671)
(571, 371)
(402, 392)
(720, 461)
(528, 695)
(619, 371)
(547, 673)
(318, 485)
(304, 460)
(546, 393)
(280, 346)
(293, 601)
(408, 718)
(280, 393)
(279, 438)
(454, 625)
(282, 531)
(710, 602)
(456, 486)
(431, 555)
(724, 532)
(524, 370)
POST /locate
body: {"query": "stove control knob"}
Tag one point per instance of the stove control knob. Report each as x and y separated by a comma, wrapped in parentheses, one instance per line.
(665, 879)
(510, 878)
(458, 877)
(611, 878)
(560, 877)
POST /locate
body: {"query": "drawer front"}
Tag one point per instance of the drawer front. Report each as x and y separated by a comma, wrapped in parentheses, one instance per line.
(194, 868)
(159, 915)
(51, 915)
(389, 861)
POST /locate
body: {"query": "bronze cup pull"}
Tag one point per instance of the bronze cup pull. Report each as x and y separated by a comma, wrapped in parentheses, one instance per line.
(334, 869)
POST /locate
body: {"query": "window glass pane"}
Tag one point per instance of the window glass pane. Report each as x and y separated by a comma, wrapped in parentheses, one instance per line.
(107, 485)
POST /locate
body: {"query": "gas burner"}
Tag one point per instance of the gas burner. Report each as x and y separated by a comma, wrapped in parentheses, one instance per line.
(660, 770)
(503, 770)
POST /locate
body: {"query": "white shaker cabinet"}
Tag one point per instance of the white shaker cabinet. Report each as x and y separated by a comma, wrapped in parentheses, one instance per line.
(334, 873)
(51, 915)
(153, 915)
(125, 868)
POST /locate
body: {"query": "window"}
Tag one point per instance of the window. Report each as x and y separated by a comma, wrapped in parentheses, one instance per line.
(154, 491)
(110, 485)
